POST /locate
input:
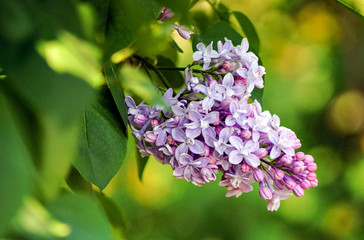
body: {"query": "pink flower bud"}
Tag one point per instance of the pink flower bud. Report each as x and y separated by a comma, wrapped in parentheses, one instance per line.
(226, 65)
(305, 184)
(265, 193)
(261, 153)
(170, 140)
(139, 119)
(279, 185)
(258, 175)
(150, 137)
(308, 158)
(314, 183)
(212, 159)
(300, 156)
(245, 168)
(311, 166)
(290, 184)
(154, 123)
(311, 176)
(298, 191)
(279, 174)
(286, 160)
(246, 134)
(298, 167)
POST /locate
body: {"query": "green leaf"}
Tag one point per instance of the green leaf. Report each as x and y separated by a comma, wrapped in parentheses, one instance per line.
(355, 6)
(175, 46)
(112, 75)
(103, 141)
(249, 30)
(141, 163)
(83, 216)
(218, 31)
(175, 78)
(138, 83)
(15, 165)
(113, 212)
(77, 183)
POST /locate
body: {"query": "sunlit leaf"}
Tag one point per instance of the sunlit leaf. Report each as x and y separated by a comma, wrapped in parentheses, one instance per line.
(82, 215)
(103, 141)
(356, 6)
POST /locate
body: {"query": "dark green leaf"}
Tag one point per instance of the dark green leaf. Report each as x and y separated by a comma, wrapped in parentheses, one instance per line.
(103, 141)
(218, 31)
(77, 183)
(249, 30)
(141, 163)
(355, 6)
(15, 165)
(112, 75)
(83, 216)
(173, 77)
(113, 212)
(175, 45)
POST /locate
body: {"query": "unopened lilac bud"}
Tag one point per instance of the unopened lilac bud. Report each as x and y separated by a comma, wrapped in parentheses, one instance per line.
(265, 193)
(139, 119)
(300, 156)
(279, 174)
(308, 159)
(154, 123)
(246, 134)
(206, 151)
(166, 14)
(290, 184)
(311, 176)
(177, 119)
(258, 175)
(245, 168)
(226, 65)
(314, 183)
(150, 137)
(170, 140)
(279, 185)
(261, 153)
(311, 166)
(298, 191)
(285, 160)
(305, 184)
(297, 144)
(298, 167)
(183, 32)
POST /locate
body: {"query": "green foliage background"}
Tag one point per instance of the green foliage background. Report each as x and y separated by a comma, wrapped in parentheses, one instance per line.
(68, 168)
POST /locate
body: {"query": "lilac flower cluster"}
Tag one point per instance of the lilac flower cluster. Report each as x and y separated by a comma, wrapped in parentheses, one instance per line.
(211, 126)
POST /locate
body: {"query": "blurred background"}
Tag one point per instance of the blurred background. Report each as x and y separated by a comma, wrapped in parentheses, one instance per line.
(313, 52)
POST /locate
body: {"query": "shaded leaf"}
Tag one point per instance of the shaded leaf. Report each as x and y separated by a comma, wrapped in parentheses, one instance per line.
(141, 163)
(174, 77)
(249, 30)
(77, 183)
(175, 46)
(83, 215)
(103, 141)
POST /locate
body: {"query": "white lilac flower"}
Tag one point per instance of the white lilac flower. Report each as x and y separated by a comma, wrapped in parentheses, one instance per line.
(243, 151)
(205, 54)
(211, 95)
(281, 142)
(228, 89)
(200, 124)
(187, 143)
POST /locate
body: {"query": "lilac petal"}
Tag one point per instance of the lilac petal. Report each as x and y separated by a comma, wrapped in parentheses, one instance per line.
(288, 151)
(239, 89)
(245, 44)
(228, 80)
(178, 172)
(200, 47)
(252, 146)
(209, 132)
(192, 125)
(185, 159)
(193, 133)
(225, 134)
(209, 140)
(201, 89)
(178, 135)
(256, 136)
(230, 121)
(273, 137)
(162, 138)
(197, 56)
(181, 149)
(275, 152)
(233, 106)
(252, 160)
(235, 157)
(207, 103)
(212, 117)
(187, 173)
(130, 102)
(194, 116)
(204, 161)
(168, 94)
(236, 142)
(197, 148)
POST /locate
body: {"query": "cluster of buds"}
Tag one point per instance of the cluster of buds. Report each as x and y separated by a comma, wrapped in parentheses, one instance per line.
(212, 125)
